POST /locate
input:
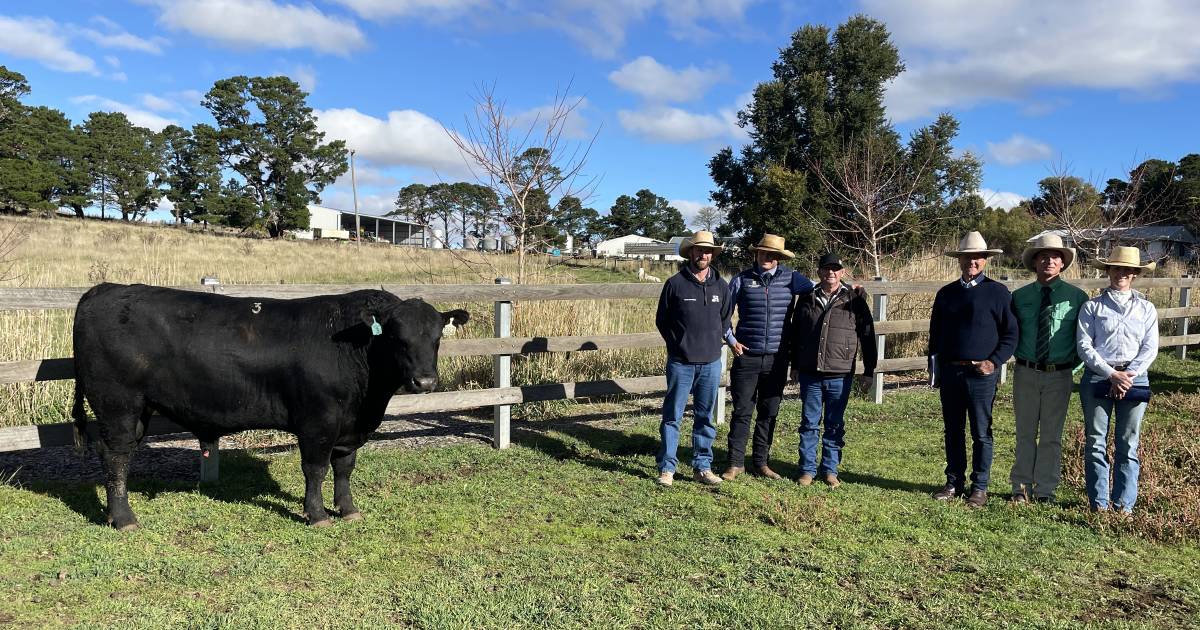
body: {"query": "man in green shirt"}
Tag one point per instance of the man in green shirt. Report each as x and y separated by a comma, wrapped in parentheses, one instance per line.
(1047, 311)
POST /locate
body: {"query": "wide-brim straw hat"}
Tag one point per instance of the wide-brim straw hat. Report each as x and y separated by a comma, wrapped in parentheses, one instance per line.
(772, 243)
(702, 238)
(1051, 242)
(1124, 257)
(973, 243)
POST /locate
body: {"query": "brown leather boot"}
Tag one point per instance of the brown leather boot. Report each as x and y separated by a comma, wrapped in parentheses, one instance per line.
(805, 480)
(831, 479)
(732, 472)
(765, 471)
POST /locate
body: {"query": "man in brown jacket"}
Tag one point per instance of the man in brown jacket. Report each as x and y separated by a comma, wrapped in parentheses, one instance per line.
(828, 328)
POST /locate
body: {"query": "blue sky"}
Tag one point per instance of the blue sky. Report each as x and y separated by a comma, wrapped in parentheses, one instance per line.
(1093, 86)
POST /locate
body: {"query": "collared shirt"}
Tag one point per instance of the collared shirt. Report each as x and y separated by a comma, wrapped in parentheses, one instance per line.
(1109, 334)
(825, 298)
(1065, 302)
(973, 282)
(800, 284)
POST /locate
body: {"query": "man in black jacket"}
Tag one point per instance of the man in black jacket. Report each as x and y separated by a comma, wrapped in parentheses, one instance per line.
(973, 330)
(828, 328)
(693, 315)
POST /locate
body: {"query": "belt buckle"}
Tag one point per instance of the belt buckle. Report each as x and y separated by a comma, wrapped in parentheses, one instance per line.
(1050, 367)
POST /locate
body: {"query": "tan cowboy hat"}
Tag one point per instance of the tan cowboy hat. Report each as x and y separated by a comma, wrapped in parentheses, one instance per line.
(772, 243)
(1043, 242)
(702, 238)
(973, 243)
(1124, 257)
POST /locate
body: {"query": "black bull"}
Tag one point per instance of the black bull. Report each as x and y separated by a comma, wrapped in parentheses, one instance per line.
(322, 368)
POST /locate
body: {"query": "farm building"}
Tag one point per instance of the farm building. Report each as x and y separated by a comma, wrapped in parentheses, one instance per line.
(326, 222)
(615, 247)
(1157, 242)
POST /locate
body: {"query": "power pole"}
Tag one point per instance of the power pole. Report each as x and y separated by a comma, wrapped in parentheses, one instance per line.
(354, 189)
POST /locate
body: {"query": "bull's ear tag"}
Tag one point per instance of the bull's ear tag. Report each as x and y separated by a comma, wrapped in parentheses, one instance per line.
(376, 329)
(449, 330)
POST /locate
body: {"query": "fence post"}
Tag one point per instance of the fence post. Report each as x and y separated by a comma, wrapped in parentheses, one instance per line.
(719, 410)
(879, 311)
(502, 373)
(210, 461)
(1181, 324)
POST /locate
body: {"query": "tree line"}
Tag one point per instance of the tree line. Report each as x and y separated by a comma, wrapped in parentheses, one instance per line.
(258, 167)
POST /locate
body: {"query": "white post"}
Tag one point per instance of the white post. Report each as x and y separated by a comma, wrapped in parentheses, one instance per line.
(1181, 324)
(719, 408)
(879, 311)
(502, 373)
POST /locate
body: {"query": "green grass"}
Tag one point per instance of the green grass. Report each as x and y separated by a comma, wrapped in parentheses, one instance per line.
(566, 529)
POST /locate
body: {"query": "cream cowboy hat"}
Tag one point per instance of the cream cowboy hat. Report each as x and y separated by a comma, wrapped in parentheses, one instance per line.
(772, 243)
(973, 243)
(702, 238)
(1052, 242)
(1124, 257)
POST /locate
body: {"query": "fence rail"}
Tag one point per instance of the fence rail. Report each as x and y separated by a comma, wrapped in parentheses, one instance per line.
(502, 346)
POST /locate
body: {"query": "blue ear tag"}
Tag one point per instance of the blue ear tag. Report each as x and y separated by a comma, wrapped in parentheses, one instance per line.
(376, 329)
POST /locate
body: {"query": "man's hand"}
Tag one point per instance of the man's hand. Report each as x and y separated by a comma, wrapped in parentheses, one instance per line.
(795, 375)
(1122, 380)
(738, 349)
(864, 380)
(984, 367)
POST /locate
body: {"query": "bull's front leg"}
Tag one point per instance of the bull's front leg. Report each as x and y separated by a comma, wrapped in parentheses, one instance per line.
(314, 461)
(343, 466)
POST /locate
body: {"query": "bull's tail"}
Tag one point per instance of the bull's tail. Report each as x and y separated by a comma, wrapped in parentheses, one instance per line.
(80, 415)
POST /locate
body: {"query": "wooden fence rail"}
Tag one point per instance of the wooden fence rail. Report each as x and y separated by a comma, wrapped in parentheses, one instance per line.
(502, 346)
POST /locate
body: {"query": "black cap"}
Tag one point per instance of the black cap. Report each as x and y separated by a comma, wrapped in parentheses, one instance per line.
(830, 260)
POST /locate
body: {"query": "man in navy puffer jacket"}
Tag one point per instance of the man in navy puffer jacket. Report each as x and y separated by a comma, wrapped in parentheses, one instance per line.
(762, 296)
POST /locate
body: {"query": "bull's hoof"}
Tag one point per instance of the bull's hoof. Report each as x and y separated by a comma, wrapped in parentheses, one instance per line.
(129, 527)
(322, 523)
(353, 516)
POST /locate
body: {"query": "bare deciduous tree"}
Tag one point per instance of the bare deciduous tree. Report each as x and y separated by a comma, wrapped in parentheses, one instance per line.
(10, 238)
(708, 218)
(873, 198)
(526, 164)
(1093, 221)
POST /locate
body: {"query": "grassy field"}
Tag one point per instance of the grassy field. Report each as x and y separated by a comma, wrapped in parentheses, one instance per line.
(566, 529)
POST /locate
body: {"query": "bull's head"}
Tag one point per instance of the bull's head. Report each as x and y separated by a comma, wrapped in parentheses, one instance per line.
(412, 333)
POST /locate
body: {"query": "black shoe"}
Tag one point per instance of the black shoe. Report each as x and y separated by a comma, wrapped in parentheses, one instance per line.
(977, 498)
(948, 491)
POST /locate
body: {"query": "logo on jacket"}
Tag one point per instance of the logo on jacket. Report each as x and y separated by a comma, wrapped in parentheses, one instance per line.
(752, 283)
(716, 298)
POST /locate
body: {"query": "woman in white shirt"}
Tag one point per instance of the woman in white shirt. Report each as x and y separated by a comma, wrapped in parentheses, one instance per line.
(1118, 340)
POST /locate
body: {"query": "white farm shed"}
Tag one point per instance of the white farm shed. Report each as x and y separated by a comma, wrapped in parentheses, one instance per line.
(616, 246)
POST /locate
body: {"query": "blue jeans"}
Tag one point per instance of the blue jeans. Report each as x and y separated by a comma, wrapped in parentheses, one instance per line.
(701, 381)
(967, 400)
(832, 391)
(1097, 413)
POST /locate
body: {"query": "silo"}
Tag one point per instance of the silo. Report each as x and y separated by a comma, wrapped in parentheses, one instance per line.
(510, 242)
(470, 243)
(439, 239)
(489, 244)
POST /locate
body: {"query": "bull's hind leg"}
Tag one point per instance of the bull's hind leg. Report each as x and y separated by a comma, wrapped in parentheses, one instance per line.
(343, 465)
(314, 461)
(119, 437)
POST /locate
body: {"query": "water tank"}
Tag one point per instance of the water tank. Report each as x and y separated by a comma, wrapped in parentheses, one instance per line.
(510, 242)
(489, 244)
(570, 246)
(470, 243)
(439, 239)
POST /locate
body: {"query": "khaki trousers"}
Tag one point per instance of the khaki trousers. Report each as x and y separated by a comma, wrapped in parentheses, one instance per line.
(1040, 405)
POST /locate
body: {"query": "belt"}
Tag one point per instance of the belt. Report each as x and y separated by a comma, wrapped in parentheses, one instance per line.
(1120, 367)
(1045, 367)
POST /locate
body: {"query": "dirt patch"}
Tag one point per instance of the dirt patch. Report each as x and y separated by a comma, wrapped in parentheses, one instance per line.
(1125, 600)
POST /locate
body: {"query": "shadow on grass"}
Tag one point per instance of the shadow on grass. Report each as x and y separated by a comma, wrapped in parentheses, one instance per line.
(245, 479)
(1169, 383)
(886, 483)
(607, 441)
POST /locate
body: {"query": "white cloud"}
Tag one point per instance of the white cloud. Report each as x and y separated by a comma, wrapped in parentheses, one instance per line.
(650, 79)
(367, 176)
(139, 117)
(112, 60)
(963, 54)
(161, 104)
(306, 76)
(383, 9)
(997, 199)
(368, 204)
(688, 208)
(1019, 149)
(684, 17)
(262, 23)
(671, 124)
(405, 138)
(42, 40)
(113, 36)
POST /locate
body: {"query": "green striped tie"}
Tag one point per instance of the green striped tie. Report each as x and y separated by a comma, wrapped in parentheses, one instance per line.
(1045, 315)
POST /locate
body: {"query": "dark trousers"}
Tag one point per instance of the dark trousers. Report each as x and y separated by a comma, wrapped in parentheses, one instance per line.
(755, 380)
(967, 399)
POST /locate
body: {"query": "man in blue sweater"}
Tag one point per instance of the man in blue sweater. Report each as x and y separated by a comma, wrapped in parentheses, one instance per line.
(972, 332)
(693, 315)
(762, 296)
